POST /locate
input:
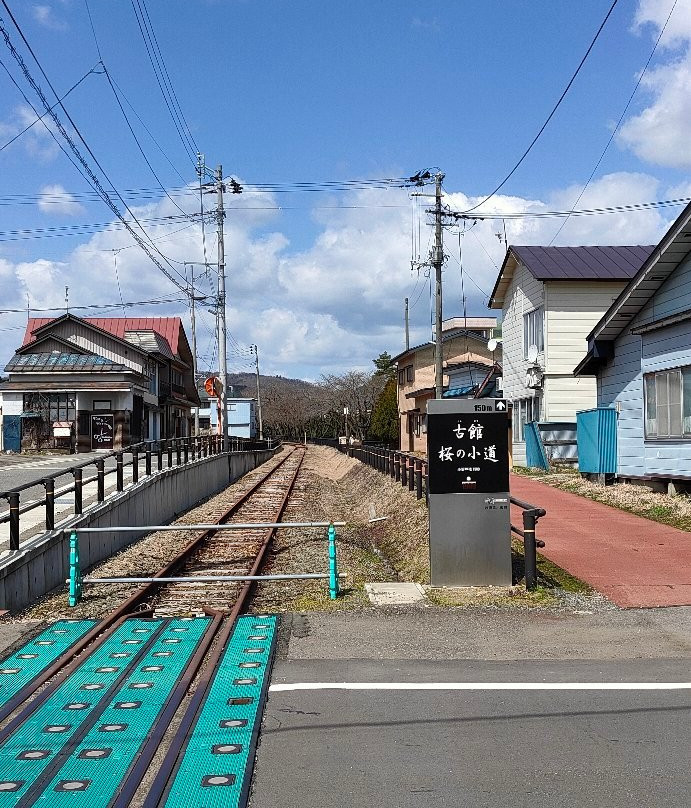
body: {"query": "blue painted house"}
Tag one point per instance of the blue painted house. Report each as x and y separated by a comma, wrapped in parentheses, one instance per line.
(640, 352)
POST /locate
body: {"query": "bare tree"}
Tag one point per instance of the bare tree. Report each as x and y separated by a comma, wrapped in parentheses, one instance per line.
(356, 390)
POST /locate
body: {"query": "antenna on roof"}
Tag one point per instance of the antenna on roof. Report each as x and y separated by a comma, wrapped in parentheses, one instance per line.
(67, 299)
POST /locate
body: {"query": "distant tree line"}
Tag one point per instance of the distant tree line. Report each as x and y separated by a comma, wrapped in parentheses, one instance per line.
(292, 407)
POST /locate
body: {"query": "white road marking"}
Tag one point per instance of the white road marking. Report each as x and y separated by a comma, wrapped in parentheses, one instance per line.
(279, 688)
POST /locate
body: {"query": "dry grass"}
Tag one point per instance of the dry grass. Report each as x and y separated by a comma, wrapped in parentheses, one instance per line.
(637, 499)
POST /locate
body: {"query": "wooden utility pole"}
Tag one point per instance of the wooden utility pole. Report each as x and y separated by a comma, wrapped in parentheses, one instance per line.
(407, 329)
(437, 262)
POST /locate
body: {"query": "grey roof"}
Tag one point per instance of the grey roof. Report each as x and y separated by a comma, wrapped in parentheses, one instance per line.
(63, 362)
(587, 263)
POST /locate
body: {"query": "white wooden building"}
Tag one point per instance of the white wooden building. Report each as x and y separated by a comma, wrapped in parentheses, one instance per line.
(551, 298)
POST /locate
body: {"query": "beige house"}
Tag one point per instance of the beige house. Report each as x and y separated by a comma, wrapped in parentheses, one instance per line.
(551, 298)
(466, 347)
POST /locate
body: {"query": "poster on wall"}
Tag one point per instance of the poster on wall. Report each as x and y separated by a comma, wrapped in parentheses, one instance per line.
(102, 431)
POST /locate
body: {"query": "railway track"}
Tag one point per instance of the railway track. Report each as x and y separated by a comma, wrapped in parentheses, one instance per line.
(163, 642)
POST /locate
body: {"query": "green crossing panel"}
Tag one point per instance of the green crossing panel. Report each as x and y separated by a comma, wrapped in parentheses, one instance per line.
(216, 768)
(20, 668)
(36, 744)
(91, 775)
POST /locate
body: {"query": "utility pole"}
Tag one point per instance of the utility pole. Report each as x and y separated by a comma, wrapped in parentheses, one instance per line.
(437, 262)
(194, 352)
(221, 308)
(407, 329)
(259, 400)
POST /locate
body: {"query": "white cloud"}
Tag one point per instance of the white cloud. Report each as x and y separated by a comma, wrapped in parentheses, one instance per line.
(45, 16)
(54, 199)
(659, 133)
(338, 303)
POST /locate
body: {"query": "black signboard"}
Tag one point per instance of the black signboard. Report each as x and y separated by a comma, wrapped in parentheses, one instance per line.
(468, 452)
(102, 431)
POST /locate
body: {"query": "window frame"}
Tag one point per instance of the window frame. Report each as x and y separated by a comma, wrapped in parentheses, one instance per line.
(530, 329)
(651, 397)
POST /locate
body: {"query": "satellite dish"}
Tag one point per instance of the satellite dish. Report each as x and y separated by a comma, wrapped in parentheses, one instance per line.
(492, 344)
(532, 353)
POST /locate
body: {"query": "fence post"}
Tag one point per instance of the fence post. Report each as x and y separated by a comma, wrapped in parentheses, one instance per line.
(100, 480)
(119, 483)
(178, 452)
(186, 450)
(529, 549)
(49, 485)
(135, 466)
(169, 447)
(75, 572)
(418, 478)
(159, 455)
(411, 474)
(397, 466)
(333, 564)
(13, 499)
(147, 460)
(404, 470)
(78, 485)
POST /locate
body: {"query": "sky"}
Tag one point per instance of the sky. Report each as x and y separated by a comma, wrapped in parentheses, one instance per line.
(335, 95)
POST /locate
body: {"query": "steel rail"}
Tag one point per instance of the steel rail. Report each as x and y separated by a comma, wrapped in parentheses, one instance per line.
(97, 635)
(167, 767)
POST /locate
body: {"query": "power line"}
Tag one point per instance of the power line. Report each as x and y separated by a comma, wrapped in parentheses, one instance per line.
(551, 114)
(92, 177)
(158, 301)
(93, 71)
(619, 122)
(160, 73)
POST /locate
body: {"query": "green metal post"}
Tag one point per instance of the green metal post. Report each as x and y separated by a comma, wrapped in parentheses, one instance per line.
(75, 572)
(333, 565)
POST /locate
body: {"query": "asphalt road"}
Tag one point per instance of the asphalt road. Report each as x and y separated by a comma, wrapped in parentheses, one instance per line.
(479, 747)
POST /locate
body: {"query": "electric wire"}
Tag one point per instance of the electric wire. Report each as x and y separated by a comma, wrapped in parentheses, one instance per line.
(40, 118)
(153, 58)
(94, 181)
(619, 122)
(551, 114)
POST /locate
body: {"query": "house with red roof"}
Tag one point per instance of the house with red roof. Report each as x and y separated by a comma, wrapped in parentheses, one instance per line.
(98, 383)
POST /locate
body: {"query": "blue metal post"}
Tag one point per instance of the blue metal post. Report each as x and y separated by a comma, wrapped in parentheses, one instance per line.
(75, 572)
(333, 564)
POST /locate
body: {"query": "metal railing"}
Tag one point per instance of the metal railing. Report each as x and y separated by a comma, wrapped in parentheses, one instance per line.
(177, 452)
(76, 581)
(531, 513)
(409, 470)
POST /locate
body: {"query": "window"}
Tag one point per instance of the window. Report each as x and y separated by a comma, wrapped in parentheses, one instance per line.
(176, 378)
(103, 404)
(406, 375)
(668, 403)
(533, 330)
(525, 410)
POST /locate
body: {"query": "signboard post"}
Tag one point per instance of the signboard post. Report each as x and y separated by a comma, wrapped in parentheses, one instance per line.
(102, 431)
(469, 522)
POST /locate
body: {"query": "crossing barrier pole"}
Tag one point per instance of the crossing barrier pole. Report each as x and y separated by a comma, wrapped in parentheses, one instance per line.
(333, 564)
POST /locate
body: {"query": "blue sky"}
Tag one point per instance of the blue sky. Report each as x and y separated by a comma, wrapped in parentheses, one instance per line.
(285, 92)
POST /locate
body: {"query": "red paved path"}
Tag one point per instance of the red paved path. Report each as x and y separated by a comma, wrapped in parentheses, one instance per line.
(633, 561)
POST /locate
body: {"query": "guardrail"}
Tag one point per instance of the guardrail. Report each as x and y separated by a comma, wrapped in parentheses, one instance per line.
(178, 452)
(531, 513)
(409, 470)
(76, 581)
